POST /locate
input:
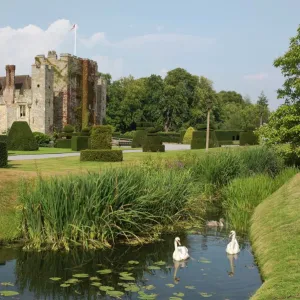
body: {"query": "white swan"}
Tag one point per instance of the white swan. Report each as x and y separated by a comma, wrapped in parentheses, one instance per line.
(215, 223)
(181, 252)
(233, 247)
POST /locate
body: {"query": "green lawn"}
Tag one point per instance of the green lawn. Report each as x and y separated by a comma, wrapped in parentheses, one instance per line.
(275, 235)
(44, 150)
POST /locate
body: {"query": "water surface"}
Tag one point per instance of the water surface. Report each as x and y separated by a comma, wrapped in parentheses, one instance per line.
(210, 273)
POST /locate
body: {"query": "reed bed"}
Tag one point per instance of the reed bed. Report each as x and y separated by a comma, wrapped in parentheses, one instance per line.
(97, 209)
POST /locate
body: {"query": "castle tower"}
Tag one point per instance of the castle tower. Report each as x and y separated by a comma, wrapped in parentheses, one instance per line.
(9, 91)
(41, 106)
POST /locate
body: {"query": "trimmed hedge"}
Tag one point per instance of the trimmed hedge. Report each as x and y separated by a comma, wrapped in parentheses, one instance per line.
(101, 155)
(227, 137)
(20, 137)
(169, 137)
(139, 139)
(153, 143)
(68, 129)
(182, 133)
(248, 138)
(188, 136)
(42, 138)
(79, 143)
(3, 154)
(63, 143)
(199, 140)
(101, 137)
(3, 138)
(154, 148)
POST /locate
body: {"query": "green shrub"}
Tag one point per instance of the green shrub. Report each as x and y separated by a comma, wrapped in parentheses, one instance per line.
(101, 137)
(154, 148)
(129, 134)
(182, 133)
(139, 138)
(42, 138)
(3, 138)
(289, 154)
(85, 132)
(20, 137)
(79, 143)
(153, 143)
(187, 139)
(199, 140)
(144, 124)
(3, 154)
(227, 137)
(248, 138)
(68, 129)
(101, 155)
(63, 143)
(202, 127)
(169, 137)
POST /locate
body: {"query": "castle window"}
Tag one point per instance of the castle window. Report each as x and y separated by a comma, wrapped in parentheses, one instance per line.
(38, 85)
(22, 111)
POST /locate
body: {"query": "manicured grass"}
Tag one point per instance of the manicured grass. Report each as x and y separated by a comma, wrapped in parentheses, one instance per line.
(275, 235)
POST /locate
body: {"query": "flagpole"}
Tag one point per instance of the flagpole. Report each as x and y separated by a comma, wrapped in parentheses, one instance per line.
(75, 43)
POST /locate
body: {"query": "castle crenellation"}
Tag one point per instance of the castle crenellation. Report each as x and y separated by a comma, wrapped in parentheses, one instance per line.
(61, 90)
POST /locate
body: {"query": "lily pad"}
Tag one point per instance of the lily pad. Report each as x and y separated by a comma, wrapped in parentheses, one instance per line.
(81, 275)
(175, 298)
(204, 260)
(160, 263)
(170, 285)
(55, 278)
(106, 288)
(178, 294)
(129, 268)
(8, 293)
(154, 268)
(65, 285)
(96, 284)
(94, 279)
(133, 262)
(132, 288)
(125, 274)
(205, 295)
(105, 271)
(190, 287)
(72, 281)
(144, 296)
(116, 294)
(149, 287)
(129, 278)
(7, 284)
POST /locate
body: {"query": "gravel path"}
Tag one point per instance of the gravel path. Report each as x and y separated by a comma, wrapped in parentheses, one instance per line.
(169, 147)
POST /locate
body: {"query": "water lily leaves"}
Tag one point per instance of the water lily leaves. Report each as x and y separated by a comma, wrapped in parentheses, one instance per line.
(204, 260)
(154, 268)
(133, 262)
(129, 268)
(116, 294)
(144, 296)
(55, 278)
(7, 284)
(160, 263)
(170, 285)
(8, 293)
(190, 287)
(96, 284)
(106, 288)
(81, 275)
(129, 278)
(132, 288)
(175, 298)
(149, 287)
(72, 281)
(205, 295)
(178, 294)
(95, 279)
(64, 285)
(105, 271)
(125, 274)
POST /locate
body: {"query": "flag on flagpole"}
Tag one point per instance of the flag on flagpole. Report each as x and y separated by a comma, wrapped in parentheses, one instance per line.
(74, 27)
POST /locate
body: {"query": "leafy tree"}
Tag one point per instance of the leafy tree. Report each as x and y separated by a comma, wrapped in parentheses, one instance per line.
(289, 64)
(106, 76)
(262, 104)
(230, 97)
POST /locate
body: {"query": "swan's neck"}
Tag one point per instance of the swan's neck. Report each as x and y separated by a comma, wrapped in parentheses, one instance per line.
(233, 238)
(175, 244)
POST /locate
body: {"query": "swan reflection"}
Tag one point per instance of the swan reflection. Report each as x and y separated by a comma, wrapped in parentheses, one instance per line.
(231, 258)
(177, 264)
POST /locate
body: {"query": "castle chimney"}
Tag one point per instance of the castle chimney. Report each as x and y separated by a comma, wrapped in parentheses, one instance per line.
(10, 77)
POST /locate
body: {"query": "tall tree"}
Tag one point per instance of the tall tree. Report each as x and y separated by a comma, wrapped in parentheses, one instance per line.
(262, 104)
(289, 64)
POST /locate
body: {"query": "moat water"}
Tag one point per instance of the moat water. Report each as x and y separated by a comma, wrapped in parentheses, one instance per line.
(147, 272)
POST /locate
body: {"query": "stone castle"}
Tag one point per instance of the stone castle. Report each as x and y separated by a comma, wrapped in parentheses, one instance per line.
(60, 91)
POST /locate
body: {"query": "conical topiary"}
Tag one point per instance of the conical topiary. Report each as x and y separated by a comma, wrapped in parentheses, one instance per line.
(20, 137)
(187, 139)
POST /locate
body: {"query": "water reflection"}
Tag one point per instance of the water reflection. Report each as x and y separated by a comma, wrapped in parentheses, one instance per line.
(209, 270)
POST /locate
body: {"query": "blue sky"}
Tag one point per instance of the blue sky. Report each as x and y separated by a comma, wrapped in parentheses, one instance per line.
(233, 42)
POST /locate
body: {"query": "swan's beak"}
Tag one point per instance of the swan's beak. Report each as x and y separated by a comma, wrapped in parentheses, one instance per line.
(178, 242)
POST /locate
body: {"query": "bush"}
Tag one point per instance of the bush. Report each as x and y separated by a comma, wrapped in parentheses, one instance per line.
(101, 155)
(154, 148)
(248, 138)
(153, 143)
(68, 129)
(20, 137)
(63, 143)
(3, 138)
(85, 132)
(182, 133)
(227, 137)
(169, 137)
(41, 138)
(187, 139)
(289, 154)
(101, 137)
(79, 143)
(139, 139)
(3, 154)
(199, 140)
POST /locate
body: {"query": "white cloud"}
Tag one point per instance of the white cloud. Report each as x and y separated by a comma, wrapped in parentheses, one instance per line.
(159, 28)
(110, 65)
(259, 76)
(20, 46)
(95, 39)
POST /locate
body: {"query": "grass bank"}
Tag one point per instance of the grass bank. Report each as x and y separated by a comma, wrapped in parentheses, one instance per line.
(275, 235)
